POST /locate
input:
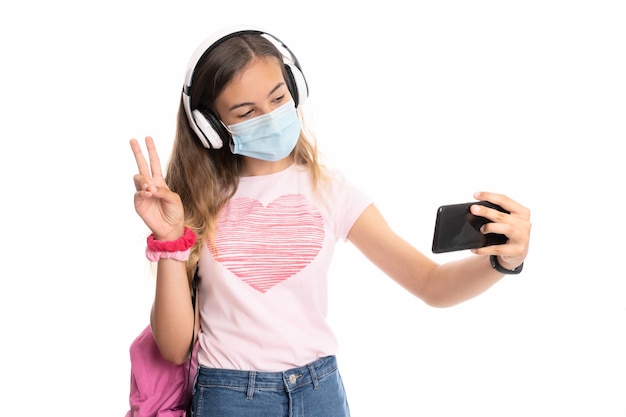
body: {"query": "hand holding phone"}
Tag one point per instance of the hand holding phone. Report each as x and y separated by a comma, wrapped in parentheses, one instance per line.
(456, 228)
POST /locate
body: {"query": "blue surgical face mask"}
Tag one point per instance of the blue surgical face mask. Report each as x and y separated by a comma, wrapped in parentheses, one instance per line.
(270, 137)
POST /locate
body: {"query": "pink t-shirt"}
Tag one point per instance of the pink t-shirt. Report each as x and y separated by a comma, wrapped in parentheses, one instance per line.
(263, 289)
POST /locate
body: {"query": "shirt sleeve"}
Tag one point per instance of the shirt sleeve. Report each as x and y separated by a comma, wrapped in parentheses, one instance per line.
(347, 203)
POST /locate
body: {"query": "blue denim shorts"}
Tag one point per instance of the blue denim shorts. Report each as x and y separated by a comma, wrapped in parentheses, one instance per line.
(314, 390)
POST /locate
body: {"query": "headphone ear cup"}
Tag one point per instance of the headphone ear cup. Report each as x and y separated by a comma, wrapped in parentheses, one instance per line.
(211, 128)
(296, 83)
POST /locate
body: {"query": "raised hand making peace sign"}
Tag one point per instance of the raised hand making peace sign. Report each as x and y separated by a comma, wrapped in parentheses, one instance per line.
(160, 208)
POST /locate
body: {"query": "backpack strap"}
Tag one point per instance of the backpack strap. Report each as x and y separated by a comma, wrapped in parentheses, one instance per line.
(194, 295)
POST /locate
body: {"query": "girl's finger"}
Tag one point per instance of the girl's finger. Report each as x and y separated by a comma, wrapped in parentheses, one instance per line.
(155, 162)
(505, 202)
(142, 165)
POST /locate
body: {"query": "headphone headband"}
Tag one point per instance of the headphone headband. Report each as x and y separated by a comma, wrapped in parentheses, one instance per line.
(208, 127)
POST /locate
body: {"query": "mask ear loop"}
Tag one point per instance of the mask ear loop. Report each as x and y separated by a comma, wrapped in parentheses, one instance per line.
(227, 128)
(231, 143)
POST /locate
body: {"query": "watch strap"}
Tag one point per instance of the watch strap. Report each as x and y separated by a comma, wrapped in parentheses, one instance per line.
(496, 265)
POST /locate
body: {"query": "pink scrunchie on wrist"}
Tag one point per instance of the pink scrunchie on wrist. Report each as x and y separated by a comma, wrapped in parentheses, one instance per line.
(154, 256)
(183, 243)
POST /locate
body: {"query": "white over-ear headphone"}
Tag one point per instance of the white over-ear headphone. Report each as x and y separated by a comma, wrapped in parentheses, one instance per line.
(207, 126)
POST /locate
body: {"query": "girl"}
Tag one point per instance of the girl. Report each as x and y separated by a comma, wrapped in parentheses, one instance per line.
(246, 200)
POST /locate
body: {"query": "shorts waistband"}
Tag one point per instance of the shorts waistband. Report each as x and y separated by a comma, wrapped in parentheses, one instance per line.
(288, 380)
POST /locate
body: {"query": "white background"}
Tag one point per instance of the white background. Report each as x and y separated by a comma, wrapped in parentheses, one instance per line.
(419, 103)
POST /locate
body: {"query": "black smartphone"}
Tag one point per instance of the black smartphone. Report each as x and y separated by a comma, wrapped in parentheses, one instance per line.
(456, 228)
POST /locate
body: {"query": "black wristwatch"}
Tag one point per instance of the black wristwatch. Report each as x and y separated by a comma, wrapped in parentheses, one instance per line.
(496, 265)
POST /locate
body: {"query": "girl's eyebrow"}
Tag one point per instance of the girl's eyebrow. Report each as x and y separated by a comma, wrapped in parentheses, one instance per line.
(272, 91)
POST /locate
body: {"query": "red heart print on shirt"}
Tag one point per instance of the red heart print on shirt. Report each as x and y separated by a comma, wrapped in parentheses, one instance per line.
(265, 246)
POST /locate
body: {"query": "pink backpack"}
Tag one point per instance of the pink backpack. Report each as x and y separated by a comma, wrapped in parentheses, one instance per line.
(158, 388)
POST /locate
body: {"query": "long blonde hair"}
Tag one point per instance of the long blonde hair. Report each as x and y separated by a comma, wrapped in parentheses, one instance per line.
(205, 178)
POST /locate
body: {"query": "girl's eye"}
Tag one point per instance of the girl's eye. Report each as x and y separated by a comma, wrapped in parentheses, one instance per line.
(279, 99)
(246, 114)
